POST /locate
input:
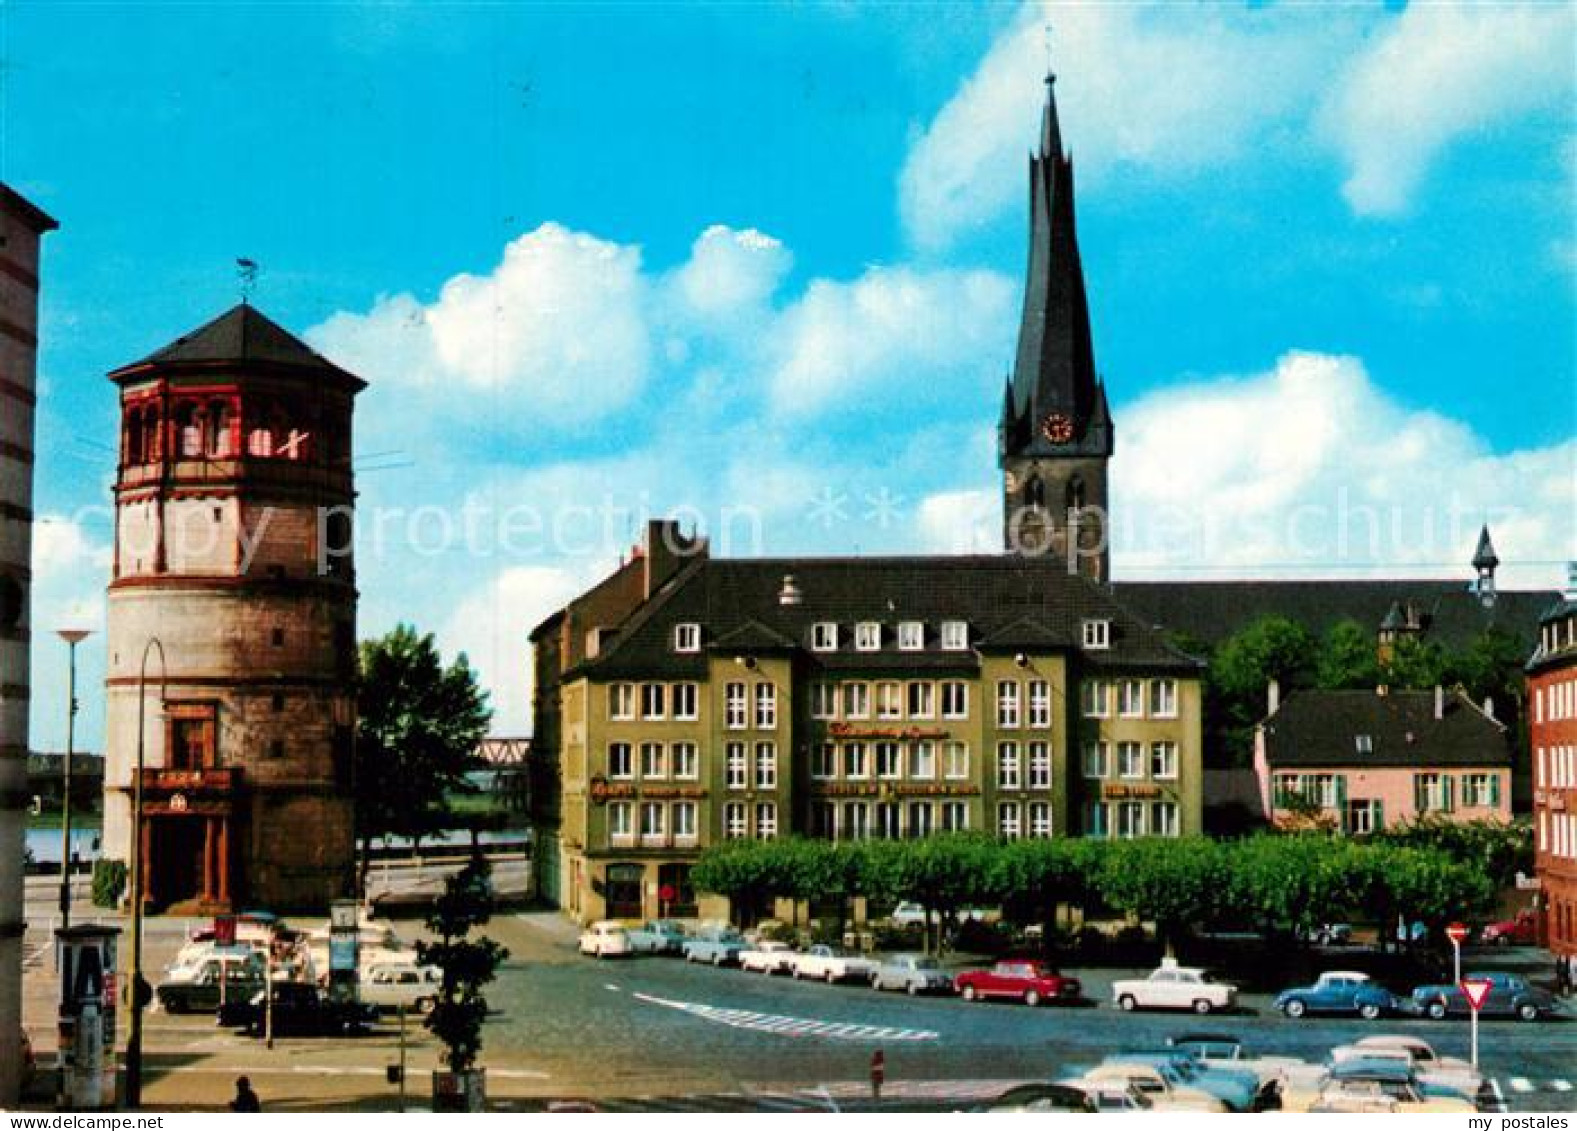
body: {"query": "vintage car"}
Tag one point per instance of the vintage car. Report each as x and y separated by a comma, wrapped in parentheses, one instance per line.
(396, 986)
(605, 939)
(912, 973)
(1342, 991)
(1238, 1088)
(716, 945)
(201, 986)
(658, 936)
(1018, 980)
(1384, 1086)
(767, 957)
(1162, 1088)
(832, 964)
(1171, 986)
(1509, 996)
(299, 1009)
(1220, 1050)
(1521, 930)
(1040, 1097)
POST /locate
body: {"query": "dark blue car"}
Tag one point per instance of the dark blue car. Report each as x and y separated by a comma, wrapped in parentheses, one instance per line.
(1341, 991)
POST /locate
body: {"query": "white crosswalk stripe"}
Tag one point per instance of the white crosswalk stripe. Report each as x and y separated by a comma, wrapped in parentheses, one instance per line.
(791, 1026)
(1521, 1084)
(1561, 1085)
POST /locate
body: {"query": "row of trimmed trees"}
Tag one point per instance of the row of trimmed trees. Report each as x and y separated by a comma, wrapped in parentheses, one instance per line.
(1268, 882)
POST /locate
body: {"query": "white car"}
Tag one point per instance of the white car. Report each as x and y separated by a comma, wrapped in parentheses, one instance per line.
(605, 939)
(397, 986)
(767, 957)
(1161, 1092)
(1174, 987)
(1436, 1071)
(830, 964)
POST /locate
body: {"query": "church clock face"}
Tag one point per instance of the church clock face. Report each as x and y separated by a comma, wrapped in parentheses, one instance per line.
(1057, 428)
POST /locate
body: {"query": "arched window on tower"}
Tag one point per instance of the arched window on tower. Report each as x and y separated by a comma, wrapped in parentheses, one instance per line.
(259, 436)
(216, 442)
(151, 449)
(1034, 492)
(188, 430)
(131, 438)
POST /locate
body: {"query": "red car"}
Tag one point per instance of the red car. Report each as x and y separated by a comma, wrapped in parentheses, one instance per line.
(1029, 982)
(1521, 931)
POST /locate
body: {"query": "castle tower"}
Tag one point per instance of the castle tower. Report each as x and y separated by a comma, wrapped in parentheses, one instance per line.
(1055, 438)
(1485, 562)
(22, 227)
(232, 550)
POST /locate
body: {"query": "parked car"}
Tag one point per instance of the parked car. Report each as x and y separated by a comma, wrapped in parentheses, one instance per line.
(1509, 996)
(767, 957)
(1220, 1050)
(232, 973)
(1175, 987)
(1419, 1051)
(659, 936)
(1329, 934)
(1113, 1096)
(300, 1009)
(1383, 1086)
(715, 945)
(1163, 1089)
(1341, 991)
(1029, 982)
(605, 939)
(912, 914)
(912, 973)
(1238, 1088)
(1520, 930)
(395, 986)
(1039, 1097)
(832, 964)
(1465, 1082)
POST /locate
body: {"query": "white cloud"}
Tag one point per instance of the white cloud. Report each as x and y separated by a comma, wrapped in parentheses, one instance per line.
(1437, 73)
(70, 570)
(960, 522)
(1159, 89)
(731, 271)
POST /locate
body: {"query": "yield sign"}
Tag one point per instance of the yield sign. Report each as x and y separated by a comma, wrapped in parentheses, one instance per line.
(1476, 990)
(1457, 933)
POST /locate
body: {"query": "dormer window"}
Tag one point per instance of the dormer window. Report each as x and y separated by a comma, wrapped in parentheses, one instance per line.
(955, 635)
(1097, 634)
(911, 636)
(687, 637)
(868, 636)
(824, 637)
(1364, 743)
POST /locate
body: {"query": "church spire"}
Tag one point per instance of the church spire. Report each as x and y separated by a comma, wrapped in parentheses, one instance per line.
(1050, 128)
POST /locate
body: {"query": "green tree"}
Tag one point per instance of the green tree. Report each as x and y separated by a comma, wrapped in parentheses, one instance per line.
(467, 963)
(420, 723)
(1291, 883)
(1269, 648)
(1501, 849)
(1174, 882)
(942, 873)
(746, 872)
(1348, 658)
(1033, 877)
(1415, 664)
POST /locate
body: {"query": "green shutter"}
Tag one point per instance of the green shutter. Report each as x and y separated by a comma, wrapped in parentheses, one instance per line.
(1494, 789)
(1341, 792)
(1450, 792)
(1418, 793)
(1379, 815)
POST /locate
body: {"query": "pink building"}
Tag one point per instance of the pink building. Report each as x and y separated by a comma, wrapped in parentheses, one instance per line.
(1366, 759)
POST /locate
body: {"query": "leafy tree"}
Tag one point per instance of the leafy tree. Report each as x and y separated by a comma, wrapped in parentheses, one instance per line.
(1490, 666)
(420, 725)
(1032, 877)
(1415, 664)
(1500, 849)
(1290, 883)
(746, 872)
(1269, 648)
(941, 873)
(1348, 658)
(468, 964)
(1175, 882)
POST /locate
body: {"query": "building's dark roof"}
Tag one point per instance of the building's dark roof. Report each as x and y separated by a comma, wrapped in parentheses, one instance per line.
(242, 334)
(25, 210)
(1054, 371)
(1321, 728)
(1449, 611)
(1009, 603)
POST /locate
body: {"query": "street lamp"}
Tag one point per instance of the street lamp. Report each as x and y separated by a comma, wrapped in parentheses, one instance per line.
(72, 637)
(134, 1030)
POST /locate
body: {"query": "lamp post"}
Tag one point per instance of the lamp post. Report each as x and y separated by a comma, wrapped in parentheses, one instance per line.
(134, 1029)
(72, 637)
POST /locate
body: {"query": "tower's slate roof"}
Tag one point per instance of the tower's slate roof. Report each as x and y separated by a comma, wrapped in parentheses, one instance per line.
(241, 335)
(1321, 728)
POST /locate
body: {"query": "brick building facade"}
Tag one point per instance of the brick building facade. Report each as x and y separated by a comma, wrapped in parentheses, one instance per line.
(1552, 690)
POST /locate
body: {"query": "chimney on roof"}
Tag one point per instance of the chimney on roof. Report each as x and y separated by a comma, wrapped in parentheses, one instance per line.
(790, 594)
(666, 551)
(1440, 702)
(1272, 697)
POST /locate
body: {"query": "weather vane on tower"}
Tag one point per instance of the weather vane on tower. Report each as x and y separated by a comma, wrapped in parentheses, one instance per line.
(246, 271)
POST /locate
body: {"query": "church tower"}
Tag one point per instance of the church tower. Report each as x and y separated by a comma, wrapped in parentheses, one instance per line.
(1055, 438)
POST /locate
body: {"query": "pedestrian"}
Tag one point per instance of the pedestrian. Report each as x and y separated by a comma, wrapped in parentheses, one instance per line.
(245, 1098)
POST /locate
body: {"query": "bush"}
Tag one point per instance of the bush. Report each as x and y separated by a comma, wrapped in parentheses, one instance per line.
(109, 882)
(976, 937)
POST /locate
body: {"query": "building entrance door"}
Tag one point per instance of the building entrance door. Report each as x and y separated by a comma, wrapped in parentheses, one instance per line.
(176, 867)
(623, 891)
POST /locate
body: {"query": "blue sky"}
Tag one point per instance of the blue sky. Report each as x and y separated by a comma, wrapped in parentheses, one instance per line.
(768, 258)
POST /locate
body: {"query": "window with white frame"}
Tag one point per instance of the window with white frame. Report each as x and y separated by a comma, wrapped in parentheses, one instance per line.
(824, 637)
(1039, 765)
(868, 636)
(1039, 703)
(922, 760)
(887, 820)
(955, 817)
(1097, 634)
(1130, 698)
(1363, 816)
(687, 638)
(620, 764)
(856, 700)
(1095, 700)
(1097, 759)
(921, 818)
(855, 822)
(889, 700)
(1163, 760)
(955, 635)
(888, 765)
(734, 820)
(621, 701)
(735, 707)
(1097, 818)
(766, 765)
(1163, 818)
(823, 701)
(735, 770)
(653, 820)
(824, 761)
(766, 706)
(687, 697)
(684, 820)
(619, 827)
(1007, 703)
(687, 761)
(1008, 820)
(1363, 743)
(654, 761)
(922, 700)
(911, 635)
(1480, 790)
(654, 701)
(955, 760)
(766, 820)
(1130, 819)
(1163, 698)
(1008, 766)
(1130, 759)
(855, 765)
(955, 699)
(1039, 822)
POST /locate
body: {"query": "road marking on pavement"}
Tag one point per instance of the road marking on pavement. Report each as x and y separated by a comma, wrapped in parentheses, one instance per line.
(1500, 1097)
(791, 1026)
(1561, 1085)
(1521, 1084)
(610, 986)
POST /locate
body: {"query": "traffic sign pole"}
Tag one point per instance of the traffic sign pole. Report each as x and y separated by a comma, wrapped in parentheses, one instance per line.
(1457, 933)
(1476, 990)
(1473, 1038)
